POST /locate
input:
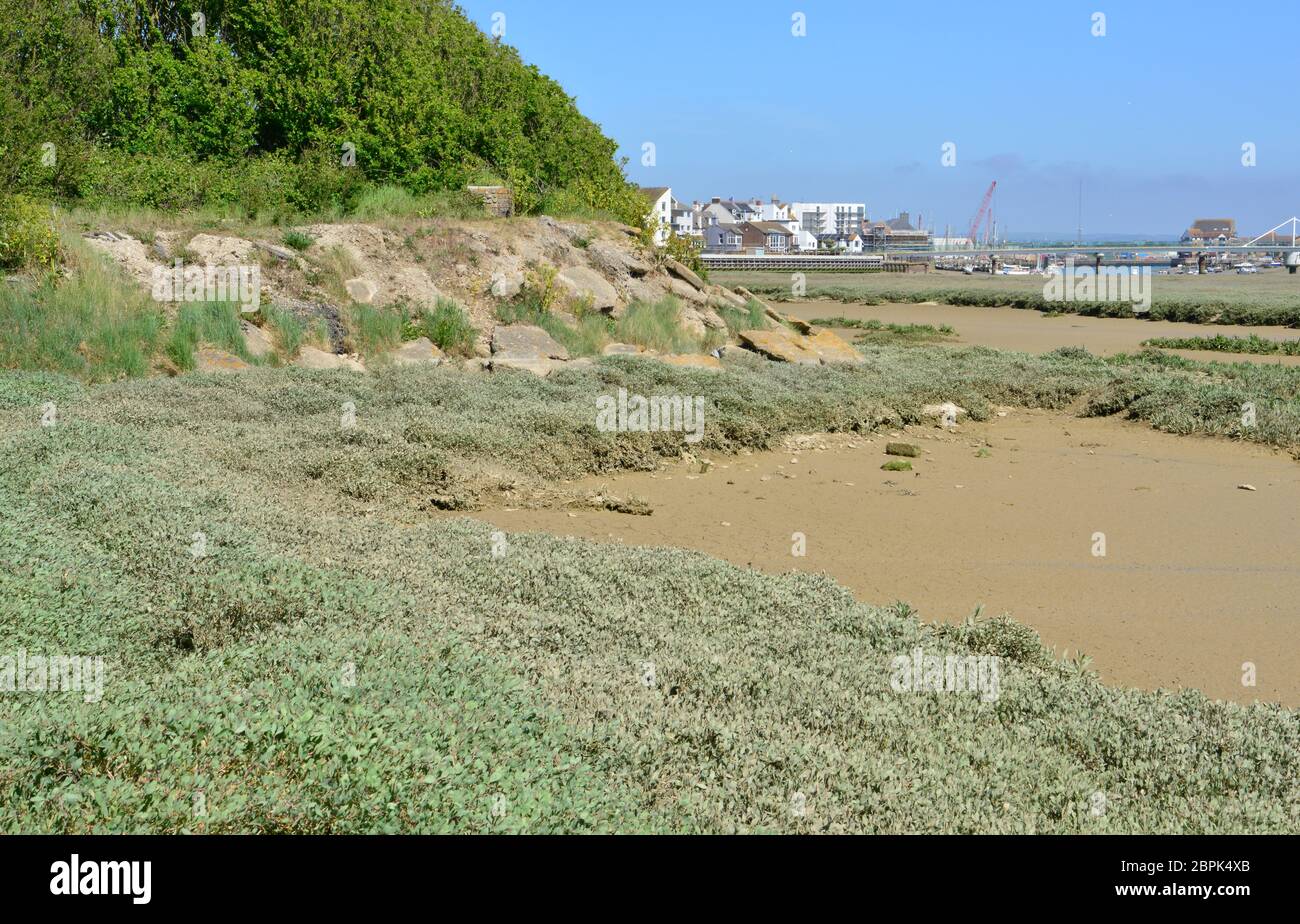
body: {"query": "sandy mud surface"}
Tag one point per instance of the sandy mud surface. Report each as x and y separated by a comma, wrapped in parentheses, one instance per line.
(1199, 575)
(1035, 332)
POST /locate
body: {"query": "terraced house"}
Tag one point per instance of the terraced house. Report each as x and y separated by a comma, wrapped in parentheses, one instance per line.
(762, 237)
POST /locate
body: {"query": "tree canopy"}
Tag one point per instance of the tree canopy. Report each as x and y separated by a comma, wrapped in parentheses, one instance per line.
(425, 99)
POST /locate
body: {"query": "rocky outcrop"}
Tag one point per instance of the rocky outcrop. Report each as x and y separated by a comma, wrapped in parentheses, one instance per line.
(684, 273)
(830, 347)
(257, 342)
(211, 359)
(312, 358)
(780, 344)
(788, 346)
(523, 346)
(693, 360)
(416, 353)
(584, 283)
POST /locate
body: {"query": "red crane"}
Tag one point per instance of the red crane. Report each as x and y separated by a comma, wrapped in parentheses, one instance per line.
(984, 210)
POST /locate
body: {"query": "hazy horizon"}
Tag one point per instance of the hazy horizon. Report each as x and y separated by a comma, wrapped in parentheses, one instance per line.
(1151, 116)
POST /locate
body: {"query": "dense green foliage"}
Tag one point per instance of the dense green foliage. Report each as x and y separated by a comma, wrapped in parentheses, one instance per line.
(283, 105)
(28, 236)
(94, 324)
(339, 658)
(1222, 344)
(447, 326)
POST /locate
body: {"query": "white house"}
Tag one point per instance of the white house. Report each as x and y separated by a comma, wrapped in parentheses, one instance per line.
(660, 199)
(837, 218)
(685, 220)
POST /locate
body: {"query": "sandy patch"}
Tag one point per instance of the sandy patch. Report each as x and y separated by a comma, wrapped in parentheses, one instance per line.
(1198, 578)
(1035, 332)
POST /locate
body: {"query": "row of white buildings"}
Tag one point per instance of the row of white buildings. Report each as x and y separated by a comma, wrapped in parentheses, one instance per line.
(755, 226)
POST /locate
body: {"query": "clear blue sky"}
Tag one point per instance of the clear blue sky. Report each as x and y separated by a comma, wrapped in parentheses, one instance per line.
(1152, 116)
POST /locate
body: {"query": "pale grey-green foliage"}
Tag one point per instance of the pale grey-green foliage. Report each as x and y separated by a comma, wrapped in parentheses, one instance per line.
(521, 675)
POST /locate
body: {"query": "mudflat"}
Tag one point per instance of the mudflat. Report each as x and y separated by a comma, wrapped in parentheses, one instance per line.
(1036, 332)
(1199, 576)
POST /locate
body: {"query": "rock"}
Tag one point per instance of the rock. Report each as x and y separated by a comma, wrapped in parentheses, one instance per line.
(584, 282)
(684, 273)
(211, 359)
(537, 365)
(650, 289)
(615, 260)
(417, 352)
(160, 251)
(733, 297)
(947, 413)
(525, 341)
(256, 341)
(802, 326)
(902, 449)
(622, 349)
(283, 254)
(475, 365)
(686, 291)
(219, 250)
(361, 290)
(780, 344)
(830, 347)
(506, 285)
(312, 358)
(694, 360)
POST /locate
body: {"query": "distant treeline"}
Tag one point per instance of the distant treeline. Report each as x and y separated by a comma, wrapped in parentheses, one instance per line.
(284, 104)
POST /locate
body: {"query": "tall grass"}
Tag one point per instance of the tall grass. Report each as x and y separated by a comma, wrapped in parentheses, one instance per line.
(289, 331)
(215, 323)
(372, 331)
(584, 335)
(384, 202)
(92, 324)
(447, 326)
(751, 317)
(656, 326)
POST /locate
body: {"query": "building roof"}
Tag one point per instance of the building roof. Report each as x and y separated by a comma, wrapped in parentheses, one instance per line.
(770, 227)
(654, 192)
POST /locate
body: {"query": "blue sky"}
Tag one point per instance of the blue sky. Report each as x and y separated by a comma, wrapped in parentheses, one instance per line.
(1151, 116)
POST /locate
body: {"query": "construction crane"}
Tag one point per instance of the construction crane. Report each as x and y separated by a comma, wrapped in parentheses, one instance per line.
(983, 210)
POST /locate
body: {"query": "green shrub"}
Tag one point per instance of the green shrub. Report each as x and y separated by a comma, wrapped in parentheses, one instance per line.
(28, 236)
(448, 327)
(298, 240)
(254, 115)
